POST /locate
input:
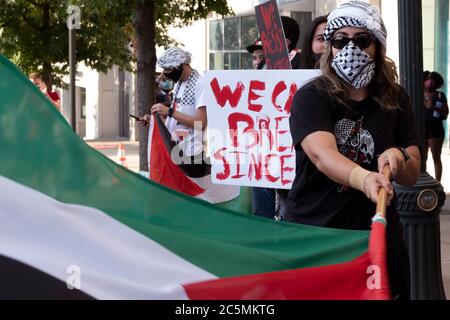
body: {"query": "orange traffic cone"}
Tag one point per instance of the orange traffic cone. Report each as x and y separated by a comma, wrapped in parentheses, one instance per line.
(121, 155)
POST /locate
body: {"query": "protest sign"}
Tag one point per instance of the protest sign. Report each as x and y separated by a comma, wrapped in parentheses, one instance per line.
(272, 36)
(248, 126)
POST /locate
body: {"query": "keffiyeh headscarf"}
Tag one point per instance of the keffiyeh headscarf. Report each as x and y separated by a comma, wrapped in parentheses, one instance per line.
(357, 14)
(351, 63)
(173, 57)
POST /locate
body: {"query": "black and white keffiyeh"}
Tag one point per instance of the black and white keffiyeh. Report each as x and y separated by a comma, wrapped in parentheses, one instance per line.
(354, 66)
(189, 94)
(173, 57)
(359, 14)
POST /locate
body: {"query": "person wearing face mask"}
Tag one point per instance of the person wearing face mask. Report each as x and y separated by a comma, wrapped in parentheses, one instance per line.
(312, 49)
(313, 44)
(186, 122)
(437, 111)
(186, 115)
(164, 89)
(346, 126)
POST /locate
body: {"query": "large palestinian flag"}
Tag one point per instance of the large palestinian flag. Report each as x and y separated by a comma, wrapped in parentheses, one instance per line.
(70, 215)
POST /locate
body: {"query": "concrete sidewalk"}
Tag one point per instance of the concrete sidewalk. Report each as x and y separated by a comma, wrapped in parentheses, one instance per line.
(109, 148)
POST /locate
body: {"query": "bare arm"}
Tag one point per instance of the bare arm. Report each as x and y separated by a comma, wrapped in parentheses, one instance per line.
(321, 149)
(188, 121)
(404, 173)
(184, 119)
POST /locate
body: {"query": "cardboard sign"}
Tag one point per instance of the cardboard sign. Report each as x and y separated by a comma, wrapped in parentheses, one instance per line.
(272, 36)
(249, 141)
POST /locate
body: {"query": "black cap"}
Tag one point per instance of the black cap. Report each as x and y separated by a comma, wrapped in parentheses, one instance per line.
(257, 45)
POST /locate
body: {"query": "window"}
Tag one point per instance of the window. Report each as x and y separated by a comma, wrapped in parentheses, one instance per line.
(83, 102)
(229, 38)
(228, 52)
(216, 35)
(216, 61)
(249, 31)
(232, 61)
(231, 30)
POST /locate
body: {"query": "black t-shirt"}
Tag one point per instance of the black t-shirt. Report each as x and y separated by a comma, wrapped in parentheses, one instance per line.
(363, 131)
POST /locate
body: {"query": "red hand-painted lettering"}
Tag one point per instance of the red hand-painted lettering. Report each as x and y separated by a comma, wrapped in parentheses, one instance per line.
(225, 94)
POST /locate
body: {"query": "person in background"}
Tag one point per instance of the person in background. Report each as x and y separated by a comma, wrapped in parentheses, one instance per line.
(263, 199)
(437, 111)
(313, 44)
(186, 121)
(346, 126)
(257, 52)
(163, 89)
(292, 34)
(187, 108)
(53, 96)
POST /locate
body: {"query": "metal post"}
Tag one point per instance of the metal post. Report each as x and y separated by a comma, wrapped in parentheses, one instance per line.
(73, 71)
(419, 206)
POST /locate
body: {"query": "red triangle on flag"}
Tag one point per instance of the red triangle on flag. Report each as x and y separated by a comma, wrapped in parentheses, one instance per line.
(162, 168)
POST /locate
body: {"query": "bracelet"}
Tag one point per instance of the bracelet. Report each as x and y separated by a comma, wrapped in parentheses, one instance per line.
(170, 112)
(357, 178)
(405, 154)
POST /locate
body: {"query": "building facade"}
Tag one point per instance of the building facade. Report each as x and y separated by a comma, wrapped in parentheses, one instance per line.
(103, 104)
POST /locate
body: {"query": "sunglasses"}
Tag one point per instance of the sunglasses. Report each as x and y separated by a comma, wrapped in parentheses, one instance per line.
(363, 41)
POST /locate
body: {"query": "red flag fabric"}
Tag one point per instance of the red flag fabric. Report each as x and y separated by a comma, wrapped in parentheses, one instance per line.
(161, 167)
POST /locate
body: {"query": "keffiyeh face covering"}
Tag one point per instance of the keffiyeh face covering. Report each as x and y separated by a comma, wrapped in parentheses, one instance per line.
(354, 66)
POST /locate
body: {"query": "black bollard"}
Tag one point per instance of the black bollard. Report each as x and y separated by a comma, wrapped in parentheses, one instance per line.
(419, 207)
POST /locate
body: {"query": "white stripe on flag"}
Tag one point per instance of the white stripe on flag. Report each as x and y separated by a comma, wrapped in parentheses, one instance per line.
(115, 261)
(216, 193)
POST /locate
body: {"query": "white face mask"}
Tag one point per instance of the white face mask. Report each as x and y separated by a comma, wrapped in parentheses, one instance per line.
(354, 66)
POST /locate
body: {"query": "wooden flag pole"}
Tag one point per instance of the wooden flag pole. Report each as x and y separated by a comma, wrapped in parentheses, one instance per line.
(382, 195)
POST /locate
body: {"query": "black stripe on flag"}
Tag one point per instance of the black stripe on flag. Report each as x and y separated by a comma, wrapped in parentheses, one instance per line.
(21, 281)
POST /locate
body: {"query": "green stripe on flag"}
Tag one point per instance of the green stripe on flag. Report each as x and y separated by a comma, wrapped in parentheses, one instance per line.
(40, 150)
(243, 203)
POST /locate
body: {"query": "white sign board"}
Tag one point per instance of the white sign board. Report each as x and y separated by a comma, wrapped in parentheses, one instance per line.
(249, 141)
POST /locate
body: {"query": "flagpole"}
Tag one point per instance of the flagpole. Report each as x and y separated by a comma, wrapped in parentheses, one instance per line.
(72, 63)
(382, 195)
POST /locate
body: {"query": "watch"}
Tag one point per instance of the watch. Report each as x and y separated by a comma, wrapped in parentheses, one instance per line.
(404, 153)
(170, 112)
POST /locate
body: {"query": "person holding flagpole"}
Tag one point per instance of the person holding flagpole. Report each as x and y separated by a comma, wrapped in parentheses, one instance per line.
(347, 125)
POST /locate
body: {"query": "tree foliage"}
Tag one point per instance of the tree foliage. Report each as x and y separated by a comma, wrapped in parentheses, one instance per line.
(180, 13)
(165, 13)
(34, 34)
